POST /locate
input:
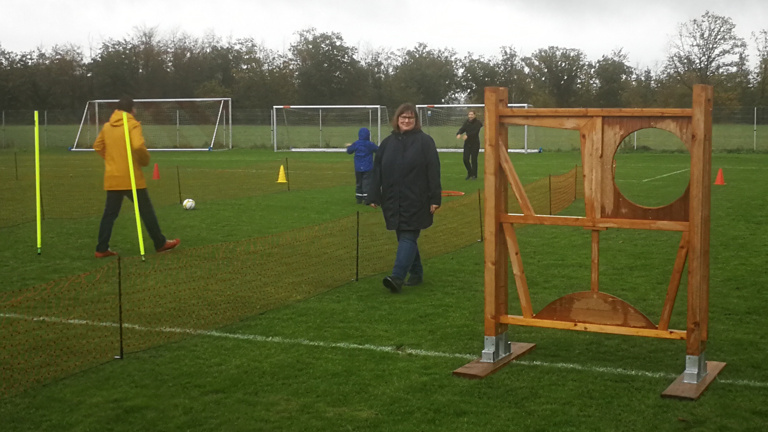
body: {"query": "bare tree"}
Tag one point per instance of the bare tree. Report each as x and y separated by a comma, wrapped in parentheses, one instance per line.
(705, 49)
(761, 73)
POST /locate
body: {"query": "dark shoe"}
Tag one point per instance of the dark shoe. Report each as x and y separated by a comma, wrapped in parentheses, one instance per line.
(393, 284)
(473, 178)
(414, 280)
(169, 244)
(467, 177)
(107, 253)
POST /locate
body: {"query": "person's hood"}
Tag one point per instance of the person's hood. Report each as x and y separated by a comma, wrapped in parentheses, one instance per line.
(117, 118)
(364, 134)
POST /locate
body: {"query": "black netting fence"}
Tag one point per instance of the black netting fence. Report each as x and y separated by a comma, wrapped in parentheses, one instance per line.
(55, 329)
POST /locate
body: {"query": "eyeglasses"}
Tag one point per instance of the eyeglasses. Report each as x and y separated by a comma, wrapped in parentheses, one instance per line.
(407, 118)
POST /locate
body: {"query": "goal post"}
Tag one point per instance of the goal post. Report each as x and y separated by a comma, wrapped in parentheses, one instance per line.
(325, 127)
(201, 124)
(443, 121)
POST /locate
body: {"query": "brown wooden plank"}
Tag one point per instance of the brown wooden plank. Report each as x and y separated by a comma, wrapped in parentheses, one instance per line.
(674, 282)
(517, 269)
(477, 369)
(550, 122)
(698, 248)
(595, 270)
(576, 221)
(591, 307)
(595, 112)
(514, 181)
(495, 198)
(595, 328)
(692, 391)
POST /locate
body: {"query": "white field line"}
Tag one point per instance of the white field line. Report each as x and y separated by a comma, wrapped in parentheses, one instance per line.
(368, 347)
(666, 175)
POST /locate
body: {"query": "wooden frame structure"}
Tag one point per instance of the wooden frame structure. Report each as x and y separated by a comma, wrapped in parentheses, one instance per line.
(601, 132)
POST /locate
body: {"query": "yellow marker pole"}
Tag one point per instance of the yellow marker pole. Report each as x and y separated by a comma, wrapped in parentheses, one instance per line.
(38, 202)
(133, 183)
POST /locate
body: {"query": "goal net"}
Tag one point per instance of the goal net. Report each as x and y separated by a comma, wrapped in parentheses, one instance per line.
(168, 124)
(325, 127)
(443, 121)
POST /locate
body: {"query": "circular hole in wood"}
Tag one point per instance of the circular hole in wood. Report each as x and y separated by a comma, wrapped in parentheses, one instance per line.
(652, 167)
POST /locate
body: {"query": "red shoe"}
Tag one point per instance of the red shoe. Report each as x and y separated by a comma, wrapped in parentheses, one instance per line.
(107, 253)
(169, 244)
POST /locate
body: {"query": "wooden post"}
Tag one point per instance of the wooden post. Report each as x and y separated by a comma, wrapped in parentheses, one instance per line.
(699, 372)
(496, 256)
(498, 351)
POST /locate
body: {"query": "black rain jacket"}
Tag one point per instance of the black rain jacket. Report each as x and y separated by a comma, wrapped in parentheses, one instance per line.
(406, 180)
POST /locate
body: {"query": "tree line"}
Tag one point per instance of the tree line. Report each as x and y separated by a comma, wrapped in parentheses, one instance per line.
(322, 69)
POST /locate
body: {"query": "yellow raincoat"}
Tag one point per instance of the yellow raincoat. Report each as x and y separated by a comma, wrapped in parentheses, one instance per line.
(110, 144)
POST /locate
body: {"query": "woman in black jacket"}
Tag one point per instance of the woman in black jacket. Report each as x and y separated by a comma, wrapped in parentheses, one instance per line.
(406, 185)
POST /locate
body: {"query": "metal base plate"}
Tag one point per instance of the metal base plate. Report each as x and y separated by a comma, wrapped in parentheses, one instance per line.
(477, 369)
(692, 391)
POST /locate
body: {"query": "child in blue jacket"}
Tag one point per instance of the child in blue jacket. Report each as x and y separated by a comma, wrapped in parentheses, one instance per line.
(364, 150)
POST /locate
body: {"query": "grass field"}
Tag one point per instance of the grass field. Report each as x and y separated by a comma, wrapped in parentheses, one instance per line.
(358, 358)
(742, 138)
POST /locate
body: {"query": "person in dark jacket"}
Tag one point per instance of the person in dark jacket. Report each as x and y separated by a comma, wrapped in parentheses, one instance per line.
(406, 185)
(363, 149)
(470, 131)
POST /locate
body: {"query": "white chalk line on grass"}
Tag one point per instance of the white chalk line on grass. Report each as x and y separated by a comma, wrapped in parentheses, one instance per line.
(368, 347)
(666, 175)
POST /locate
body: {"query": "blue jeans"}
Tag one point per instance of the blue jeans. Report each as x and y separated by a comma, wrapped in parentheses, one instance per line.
(407, 259)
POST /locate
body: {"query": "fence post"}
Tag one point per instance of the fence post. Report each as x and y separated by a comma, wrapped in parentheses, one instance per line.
(357, 249)
(480, 208)
(549, 178)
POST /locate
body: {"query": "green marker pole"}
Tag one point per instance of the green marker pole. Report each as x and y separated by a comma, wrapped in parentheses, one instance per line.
(133, 183)
(37, 186)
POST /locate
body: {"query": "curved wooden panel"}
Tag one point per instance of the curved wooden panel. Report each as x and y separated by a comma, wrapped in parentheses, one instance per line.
(615, 204)
(595, 308)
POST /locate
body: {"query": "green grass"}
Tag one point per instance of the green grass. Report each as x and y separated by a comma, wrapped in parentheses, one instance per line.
(320, 369)
(726, 137)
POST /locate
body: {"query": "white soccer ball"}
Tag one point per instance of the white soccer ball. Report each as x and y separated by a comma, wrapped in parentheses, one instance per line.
(188, 204)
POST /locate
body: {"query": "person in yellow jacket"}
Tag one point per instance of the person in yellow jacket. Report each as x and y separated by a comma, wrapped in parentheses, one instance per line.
(110, 145)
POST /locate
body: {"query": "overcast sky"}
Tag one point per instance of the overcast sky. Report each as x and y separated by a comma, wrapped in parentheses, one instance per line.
(643, 28)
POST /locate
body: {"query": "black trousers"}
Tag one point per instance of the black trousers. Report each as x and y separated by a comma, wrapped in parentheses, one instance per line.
(112, 210)
(471, 151)
(362, 184)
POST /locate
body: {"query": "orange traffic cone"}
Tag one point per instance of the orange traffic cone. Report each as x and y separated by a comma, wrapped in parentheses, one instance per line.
(719, 180)
(156, 173)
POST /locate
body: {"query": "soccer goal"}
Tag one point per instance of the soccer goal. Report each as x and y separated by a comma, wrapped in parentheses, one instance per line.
(325, 127)
(443, 121)
(168, 124)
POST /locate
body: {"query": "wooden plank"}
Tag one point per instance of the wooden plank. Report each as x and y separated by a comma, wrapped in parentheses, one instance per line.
(588, 307)
(674, 282)
(595, 112)
(692, 391)
(495, 194)
(595, 328)
(576, 221)
(514, 180)
(550, 122)
(517, 269)
(698, 248)
(477, 369)
(595, 270)
(592, 154)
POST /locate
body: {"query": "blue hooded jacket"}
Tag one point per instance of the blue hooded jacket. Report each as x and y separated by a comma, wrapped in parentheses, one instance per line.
(363, 149)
